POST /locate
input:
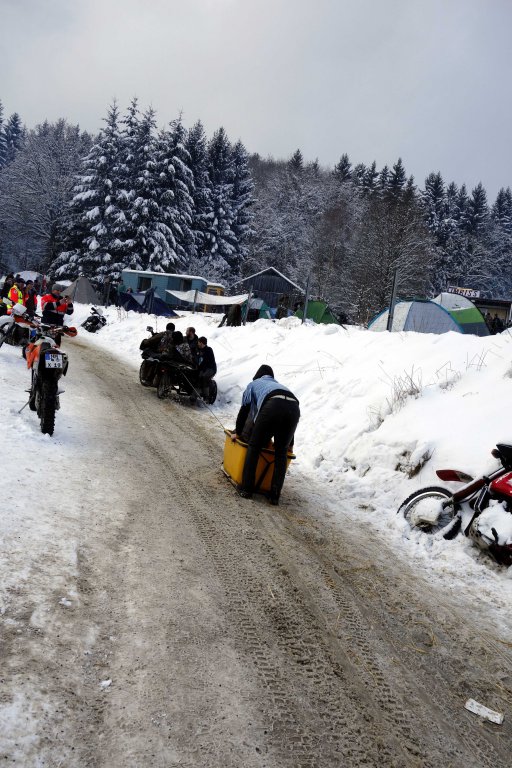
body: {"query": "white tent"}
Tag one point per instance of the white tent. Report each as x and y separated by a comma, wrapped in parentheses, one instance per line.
(198, 297)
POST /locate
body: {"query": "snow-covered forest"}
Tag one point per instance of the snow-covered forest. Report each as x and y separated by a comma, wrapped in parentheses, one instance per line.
(173, 199)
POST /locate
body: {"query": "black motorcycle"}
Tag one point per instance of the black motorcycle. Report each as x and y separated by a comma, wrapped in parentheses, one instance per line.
(95, 321)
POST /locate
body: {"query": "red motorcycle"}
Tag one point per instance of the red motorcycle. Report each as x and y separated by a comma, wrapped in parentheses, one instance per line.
(481, 509)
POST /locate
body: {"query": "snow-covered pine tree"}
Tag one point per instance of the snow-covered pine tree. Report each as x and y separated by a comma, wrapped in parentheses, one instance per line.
(14, 133)
(3, 139)
(433, 201)
(202, 213)
(359, 174)
(176, 189)
(342, 171)
(383, 181)
(93, 215)
(370, 179)
(296, 162)
(145, 238)
(242, 202)
(221, 258)
(501, 238)
(397, 180)
(477, 211)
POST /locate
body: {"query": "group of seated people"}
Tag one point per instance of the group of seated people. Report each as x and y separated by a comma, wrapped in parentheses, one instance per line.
(172, 345)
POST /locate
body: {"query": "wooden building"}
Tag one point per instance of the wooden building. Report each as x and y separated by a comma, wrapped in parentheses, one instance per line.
(273, 287)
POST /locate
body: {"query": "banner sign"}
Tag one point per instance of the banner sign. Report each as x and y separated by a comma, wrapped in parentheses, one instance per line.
(469, 293)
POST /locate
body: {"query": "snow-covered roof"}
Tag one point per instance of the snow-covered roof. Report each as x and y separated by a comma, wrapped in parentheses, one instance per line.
(270, 269)
(165, 274)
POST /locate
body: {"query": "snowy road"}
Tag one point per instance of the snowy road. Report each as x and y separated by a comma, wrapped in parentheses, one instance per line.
(196, 630)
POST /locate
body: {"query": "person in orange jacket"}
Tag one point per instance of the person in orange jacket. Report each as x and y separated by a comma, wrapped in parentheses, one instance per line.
(54, 306)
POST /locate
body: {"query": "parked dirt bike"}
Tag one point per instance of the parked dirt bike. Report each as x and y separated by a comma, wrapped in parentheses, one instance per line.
(15, 328)
(481, 509)
(48, 363)
(95, 321)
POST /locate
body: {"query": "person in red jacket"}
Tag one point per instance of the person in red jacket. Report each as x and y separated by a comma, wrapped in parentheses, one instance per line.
(54, 306)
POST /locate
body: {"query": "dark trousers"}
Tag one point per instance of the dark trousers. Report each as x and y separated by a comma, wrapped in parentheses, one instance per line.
(204, 381)
(277, 418)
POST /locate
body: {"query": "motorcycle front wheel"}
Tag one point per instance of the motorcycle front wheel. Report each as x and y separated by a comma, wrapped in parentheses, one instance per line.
(427, 503)
(47, 407)
(164, 385)
(212, 391)
(3, 335)
(142, 371)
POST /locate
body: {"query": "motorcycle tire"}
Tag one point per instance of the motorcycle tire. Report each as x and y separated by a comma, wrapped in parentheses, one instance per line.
(212, 393)
(143, 381)
(2, 337)
(164, 385)
(432, 492)
(47, 407)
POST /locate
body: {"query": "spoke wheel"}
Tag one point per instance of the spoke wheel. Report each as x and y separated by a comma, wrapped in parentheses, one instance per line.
(164, 385)
(47, 406)
(142, 370)
(212, 394)
(428, 502)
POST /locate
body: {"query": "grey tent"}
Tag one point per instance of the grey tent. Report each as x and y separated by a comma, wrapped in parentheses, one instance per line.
(82, 291)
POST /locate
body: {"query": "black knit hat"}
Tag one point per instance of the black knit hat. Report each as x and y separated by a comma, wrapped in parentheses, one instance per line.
(263, 370)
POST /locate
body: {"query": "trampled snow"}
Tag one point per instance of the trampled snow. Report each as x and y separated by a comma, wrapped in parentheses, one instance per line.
(380, 413)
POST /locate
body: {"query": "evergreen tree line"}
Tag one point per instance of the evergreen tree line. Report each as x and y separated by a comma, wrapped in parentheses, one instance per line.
(351, 227)
(11, 135)
(174, 200)
(132, 197)
(164, 200)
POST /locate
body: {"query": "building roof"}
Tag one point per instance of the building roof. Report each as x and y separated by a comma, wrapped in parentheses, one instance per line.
(270, 269)
(165, 274)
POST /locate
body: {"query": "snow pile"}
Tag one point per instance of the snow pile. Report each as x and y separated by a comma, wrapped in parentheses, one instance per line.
(380, 413)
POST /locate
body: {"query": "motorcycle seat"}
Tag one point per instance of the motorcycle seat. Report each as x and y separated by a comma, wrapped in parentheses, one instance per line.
(505, 451)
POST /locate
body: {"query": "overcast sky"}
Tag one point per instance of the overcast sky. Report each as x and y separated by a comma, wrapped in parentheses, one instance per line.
(425, 80)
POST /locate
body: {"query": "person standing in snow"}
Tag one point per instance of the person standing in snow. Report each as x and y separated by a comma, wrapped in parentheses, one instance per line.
(206, 364)
(30, 297)
(54, 306)
(275, 412)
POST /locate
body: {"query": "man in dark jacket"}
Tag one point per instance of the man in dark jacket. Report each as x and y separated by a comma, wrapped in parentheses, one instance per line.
(275, 412)
(158, 346)
(191, 338)
(206, 364)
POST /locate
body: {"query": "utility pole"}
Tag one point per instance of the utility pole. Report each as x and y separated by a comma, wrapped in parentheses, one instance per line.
(305, 312)
(248, 306)
(391, 312)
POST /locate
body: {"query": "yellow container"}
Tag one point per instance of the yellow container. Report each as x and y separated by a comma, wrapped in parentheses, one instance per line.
(234, 460)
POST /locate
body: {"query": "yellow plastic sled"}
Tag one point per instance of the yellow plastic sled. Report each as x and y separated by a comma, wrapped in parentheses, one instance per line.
(234, 459)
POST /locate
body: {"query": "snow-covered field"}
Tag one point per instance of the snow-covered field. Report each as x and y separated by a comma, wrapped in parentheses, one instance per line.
(380, 413)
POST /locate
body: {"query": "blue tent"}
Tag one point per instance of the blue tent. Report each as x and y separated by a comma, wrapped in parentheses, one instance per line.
(148, 302)
(154, 305)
